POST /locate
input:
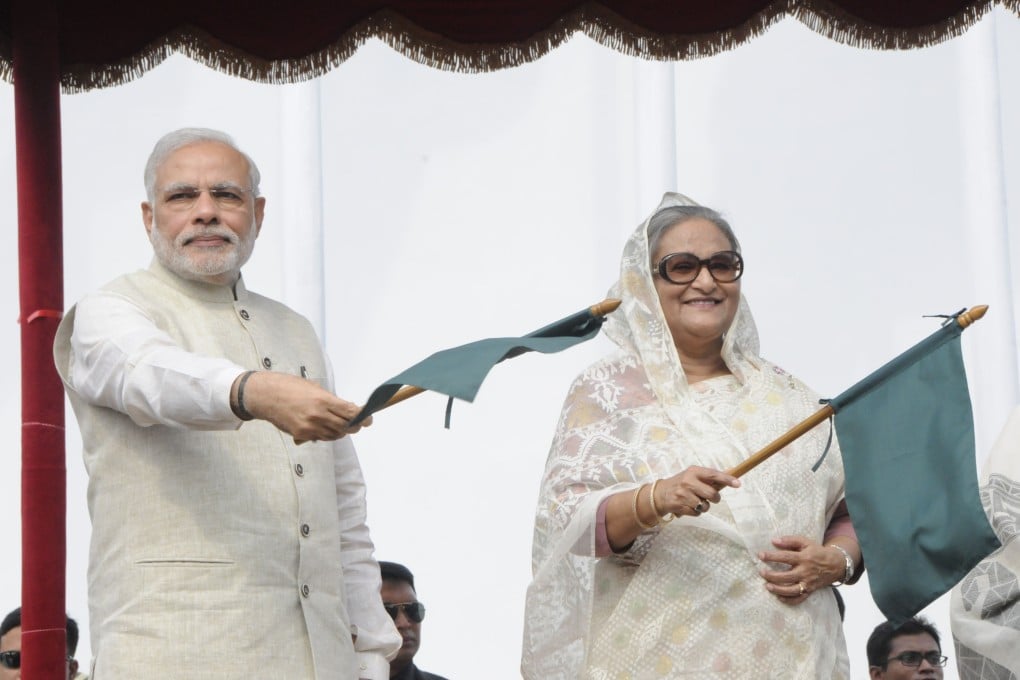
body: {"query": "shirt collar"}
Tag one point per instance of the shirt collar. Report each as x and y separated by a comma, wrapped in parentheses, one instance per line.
(207, 292)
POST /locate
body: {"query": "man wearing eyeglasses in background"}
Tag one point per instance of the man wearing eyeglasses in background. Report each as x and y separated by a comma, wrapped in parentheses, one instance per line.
(10, 647)
(906, 652)
(401, 603)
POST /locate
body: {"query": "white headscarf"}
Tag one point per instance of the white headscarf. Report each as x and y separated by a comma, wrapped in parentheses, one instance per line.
(640, 327)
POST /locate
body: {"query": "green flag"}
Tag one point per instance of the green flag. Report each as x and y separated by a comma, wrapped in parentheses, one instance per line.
(907, 435)
(459, 371)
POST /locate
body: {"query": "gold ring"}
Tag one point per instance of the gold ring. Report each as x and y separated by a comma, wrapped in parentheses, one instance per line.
(802, 588)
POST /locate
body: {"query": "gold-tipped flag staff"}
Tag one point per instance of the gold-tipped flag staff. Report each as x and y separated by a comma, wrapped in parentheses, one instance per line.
(907, 449)
(459, 371)
(962, 320)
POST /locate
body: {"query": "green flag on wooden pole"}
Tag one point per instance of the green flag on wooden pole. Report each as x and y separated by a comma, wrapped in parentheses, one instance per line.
(459, 372)
(907, 436)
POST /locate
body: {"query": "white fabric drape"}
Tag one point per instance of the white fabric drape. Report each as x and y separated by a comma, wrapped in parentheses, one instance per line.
(984, 606)
(462, 206)
(301, 199)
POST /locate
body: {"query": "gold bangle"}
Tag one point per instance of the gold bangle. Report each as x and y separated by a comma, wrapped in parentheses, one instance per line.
(637, 516)
(663, 519)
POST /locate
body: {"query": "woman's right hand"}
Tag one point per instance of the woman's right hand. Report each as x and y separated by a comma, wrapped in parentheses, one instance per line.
(692, 491)
(629, 513)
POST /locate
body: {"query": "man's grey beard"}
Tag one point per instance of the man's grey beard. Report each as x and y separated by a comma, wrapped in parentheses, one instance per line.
(228, 259)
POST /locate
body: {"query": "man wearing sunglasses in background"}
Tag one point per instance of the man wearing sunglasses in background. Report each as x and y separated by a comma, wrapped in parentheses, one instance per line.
(401, 603)
(905, 652)
(10, 647)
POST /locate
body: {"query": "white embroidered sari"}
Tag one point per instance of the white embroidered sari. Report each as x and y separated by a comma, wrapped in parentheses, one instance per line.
(686, 599)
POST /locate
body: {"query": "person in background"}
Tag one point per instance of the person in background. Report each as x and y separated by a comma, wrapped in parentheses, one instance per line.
(909, 651)
(649, 559)
(401, 602)
(10, 647)
(229, 535)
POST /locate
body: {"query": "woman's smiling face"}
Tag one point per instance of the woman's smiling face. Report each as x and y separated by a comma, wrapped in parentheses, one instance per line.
(700, 312)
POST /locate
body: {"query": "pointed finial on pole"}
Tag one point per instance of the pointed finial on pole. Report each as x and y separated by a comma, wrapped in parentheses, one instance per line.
(971, 315)
(605, 307)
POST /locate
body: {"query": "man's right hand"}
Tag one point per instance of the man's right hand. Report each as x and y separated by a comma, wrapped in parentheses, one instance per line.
(299, 407)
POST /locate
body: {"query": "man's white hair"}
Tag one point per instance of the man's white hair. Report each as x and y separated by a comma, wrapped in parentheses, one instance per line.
(178, 139)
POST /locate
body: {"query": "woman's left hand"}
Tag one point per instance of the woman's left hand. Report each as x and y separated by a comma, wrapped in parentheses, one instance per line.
(812, 567)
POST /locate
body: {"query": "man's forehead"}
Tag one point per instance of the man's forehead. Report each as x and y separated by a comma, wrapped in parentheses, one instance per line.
(394, 590)
(225, 184)
(223, 161)
(913, 642)
(11, 639)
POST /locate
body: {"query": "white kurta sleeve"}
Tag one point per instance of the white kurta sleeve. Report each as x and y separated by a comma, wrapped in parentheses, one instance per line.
(121, 360)
(378, 639)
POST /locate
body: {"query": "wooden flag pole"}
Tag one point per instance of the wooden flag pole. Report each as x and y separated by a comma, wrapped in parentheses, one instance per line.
(821, 415)
(407, 391)
(801, 428)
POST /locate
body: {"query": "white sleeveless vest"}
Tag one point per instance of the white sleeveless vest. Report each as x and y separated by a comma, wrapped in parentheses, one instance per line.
(214, 551)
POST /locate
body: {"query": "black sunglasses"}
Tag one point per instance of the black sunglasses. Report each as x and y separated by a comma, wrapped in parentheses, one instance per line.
(414, 611)
(11, 659)
(679, 268)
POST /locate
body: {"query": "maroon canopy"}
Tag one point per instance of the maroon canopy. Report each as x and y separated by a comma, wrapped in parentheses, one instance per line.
(104, 43)
(46, 45)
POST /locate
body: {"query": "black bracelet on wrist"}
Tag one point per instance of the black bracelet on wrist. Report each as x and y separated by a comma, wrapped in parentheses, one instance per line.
(241, 411)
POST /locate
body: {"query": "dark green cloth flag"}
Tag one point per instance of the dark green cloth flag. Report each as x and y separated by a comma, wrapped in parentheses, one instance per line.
(907, 436)
(458, 372)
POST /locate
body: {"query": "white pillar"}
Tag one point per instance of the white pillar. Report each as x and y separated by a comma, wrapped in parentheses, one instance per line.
(301, 201)
(655, 132)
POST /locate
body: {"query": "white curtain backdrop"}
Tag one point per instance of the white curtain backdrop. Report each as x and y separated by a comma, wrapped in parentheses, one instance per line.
(410, 210)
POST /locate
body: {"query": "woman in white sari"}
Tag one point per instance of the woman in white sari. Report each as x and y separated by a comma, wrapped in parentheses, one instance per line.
(649, 560)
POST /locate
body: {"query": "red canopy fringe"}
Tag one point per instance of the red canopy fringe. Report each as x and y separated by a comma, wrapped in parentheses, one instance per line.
(830, 18)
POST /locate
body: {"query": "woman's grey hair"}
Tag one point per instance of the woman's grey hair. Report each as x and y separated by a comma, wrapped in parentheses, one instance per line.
(178, 139)
(666, 218)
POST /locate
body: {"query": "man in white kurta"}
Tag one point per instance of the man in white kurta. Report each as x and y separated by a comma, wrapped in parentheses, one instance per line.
(220, 547)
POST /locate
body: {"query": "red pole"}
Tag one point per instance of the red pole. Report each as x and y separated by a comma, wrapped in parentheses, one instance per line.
(36, 53)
